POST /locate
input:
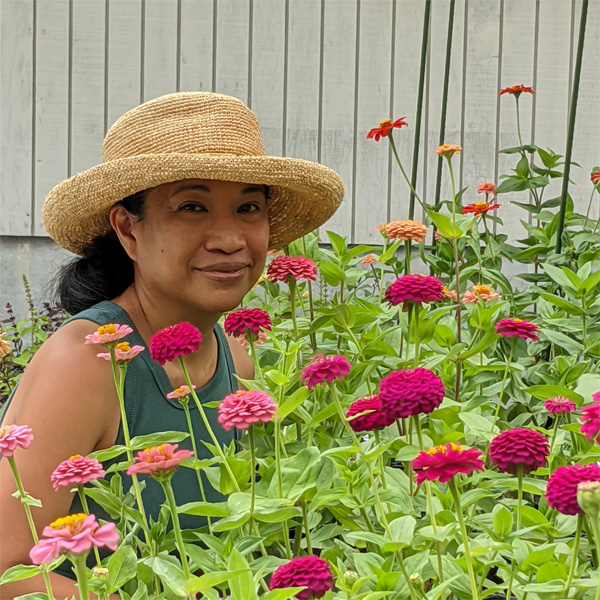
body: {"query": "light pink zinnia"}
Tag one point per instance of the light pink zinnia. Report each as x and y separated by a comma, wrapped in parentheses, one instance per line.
(177, 340)
(75, 534)
(124, 353)
(75, 470)
(486, 187)
(297, 267)
(485, 292)
(108, 334)
(180, 392)
(158, 461)
(245, 407)
(590, 421)
(325, 368)
(13, 437)
(245, 321)
(261, 338)
(517, 328)
(558, 404)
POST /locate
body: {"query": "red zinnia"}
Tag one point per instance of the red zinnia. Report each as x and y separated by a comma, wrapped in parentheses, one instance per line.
(519, 447)
(247, 320)
(479, 208)
(374, 417)
(595, 177)
(385, 127)
(310, 571)
(518, 328)
(558, 404)
(297, 267)
(516, 90)
(410, 392)
(443, 462)
(590, 421)
(561, 490)
(174, 341)
(414, 288)
(325, 368)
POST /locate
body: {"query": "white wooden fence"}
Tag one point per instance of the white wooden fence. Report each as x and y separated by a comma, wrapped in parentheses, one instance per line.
(318, 73)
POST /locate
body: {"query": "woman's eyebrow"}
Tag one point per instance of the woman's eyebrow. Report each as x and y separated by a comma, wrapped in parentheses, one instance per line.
(253, 189)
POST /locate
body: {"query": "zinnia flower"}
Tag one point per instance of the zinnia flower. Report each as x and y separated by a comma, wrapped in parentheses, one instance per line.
(516, 90)
(180, 392)
(406, 231)
(244, 407)
(595, 177)
(174, 341)
(13, 437)
(245, 321)
(486, 187)
(448, 150)
(517, 328)
(108, 334)
(310, 571)
(561, 489)
(590, 421)
(369, 259)
(297, 267)
(514, 448)
(385, 127)
(448, 294)
(443, 462)
(479, 208)
(123, 352)
(410, 392)
(325, 368)
(261, 338)
(414, 288)
(158, 461)
(4, 346)
(77, 470)
(558, 404)
(374, 417)
(75, 534)
(484, 292)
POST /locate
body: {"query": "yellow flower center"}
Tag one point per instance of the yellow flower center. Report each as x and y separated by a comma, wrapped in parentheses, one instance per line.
(179, 390)
(481, 205)
(518, 320)
(71, 522)
(74, 456)
(110, 328)
(123, 347)
(385, 123)
(482, 289)
(442, 449)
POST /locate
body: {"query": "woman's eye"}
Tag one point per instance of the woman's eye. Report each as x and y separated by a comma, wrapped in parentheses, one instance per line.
(191, 207)
(250, 207)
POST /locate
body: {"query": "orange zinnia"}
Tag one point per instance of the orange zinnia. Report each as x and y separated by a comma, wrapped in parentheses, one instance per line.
(406, 231)
(448, 150)
(479, 208)
(516, 90)
(385, 127)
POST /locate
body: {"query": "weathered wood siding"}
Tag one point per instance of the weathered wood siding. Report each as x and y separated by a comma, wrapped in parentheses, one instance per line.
(318, 73)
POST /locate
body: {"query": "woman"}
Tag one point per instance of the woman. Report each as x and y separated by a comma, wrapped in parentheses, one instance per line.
(173, 226)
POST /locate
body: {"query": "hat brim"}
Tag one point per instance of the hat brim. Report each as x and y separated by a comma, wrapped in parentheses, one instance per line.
(303, 194)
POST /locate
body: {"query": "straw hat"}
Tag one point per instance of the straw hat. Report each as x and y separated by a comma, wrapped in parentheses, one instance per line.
(190, 135)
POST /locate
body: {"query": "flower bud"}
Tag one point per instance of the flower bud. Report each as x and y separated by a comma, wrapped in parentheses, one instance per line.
(588, 497)
(417, 581)
(100, 572)
(352, 463)
(351, 577)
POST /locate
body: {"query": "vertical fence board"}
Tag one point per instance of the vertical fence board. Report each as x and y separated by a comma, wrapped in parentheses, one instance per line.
(51, 102)
(16, 128)
(196, 61)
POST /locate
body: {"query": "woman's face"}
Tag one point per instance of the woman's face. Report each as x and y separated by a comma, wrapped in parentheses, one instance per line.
(202, 243)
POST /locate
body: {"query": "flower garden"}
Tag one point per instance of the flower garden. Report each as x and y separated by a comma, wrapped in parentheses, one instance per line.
(419, 426)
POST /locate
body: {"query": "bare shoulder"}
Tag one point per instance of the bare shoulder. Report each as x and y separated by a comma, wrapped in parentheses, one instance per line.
(244, 367)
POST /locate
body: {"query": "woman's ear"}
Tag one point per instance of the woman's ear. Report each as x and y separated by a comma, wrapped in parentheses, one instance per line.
(122, 223)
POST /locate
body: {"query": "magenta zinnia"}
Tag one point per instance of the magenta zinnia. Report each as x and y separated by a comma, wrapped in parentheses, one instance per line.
(517, 328)
(590, 421)
(76, 470)
(374, 417)
(296, 267)
(558, 404)
(322, 369)
(247, 321)
(244, 407)
(561, 490)
(410, 392)
(516, 448)
(177, 340)
(414, 288)
(310, 571)
(158, 461)
(13, 437)
(443, 462)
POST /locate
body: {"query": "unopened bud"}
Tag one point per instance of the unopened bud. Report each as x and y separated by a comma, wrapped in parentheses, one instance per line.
(352, 463)
(100, 572)
(588, 497)
(351, 577)
(417, 581)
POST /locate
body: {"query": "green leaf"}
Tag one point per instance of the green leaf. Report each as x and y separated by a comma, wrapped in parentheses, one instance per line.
(564, 341)
(332, 273)
(550, 572)
(211, 580)
(122, 566)
(241, 586)
(141, 442)
(543, 392)
(283, 593)
(402, 532)
(503, 521)
(204, 509)
(484, 342)
(538, 557)
(339, 244)
(565, 278)
(563, 304)
(169, 573)
(512, 184)
(444, 223)
(292, 402)
(108, 453)
(18, 573)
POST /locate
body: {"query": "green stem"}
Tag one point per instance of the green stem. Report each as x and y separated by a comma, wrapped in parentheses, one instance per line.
(410, 185)
(595, 524)
(463, 530)
(519, 124)
(292, 286)
(417, 340)
(554, 432)
(278, 458)
(508, 361)
(407, 257)
(380, 461)
(575, 554)
(381, 273)
(78, 561)
(252, 471)
(86, 509)
(306, 528)
(255, 358)
(519, 495)
(451, 170)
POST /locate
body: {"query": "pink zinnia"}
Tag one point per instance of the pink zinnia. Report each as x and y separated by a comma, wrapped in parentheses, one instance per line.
(261, 338)
(325, 368)
(13, 437)
(448, 150)
(180, 392)
(174, 341)
(484, 292)
(124, 353)
(247, 321)
(410, 392)
(414, 288)
(75, 534)
(369, 259)
(374, 417)
(245, 407)
(108, 334)
(590, 421)
(443, 462)
(516, 448)
(297, 267)
(558, 404)
(310, 571)
(78, 469)
(561, 489)
(486, 187)
(517, 328)
(158, 461)
(448, 294)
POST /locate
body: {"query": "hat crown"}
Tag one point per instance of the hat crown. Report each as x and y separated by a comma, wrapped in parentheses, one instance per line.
(185, 123)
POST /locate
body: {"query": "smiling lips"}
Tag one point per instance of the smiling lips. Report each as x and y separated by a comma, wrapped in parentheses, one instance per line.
(225, 271)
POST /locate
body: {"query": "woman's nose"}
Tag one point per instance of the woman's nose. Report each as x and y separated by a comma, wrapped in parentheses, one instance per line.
(226, 235)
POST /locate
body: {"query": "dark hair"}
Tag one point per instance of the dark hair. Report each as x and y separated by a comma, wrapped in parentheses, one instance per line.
(105, 270)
